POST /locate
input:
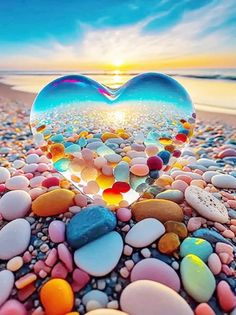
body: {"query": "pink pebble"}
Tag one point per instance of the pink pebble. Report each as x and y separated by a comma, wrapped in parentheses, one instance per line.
(227, 195)
(204, 309)
(29, 176)
(92, 187)
(185, 178)
(199, 183)
(214, 263)
(227, 270)
(107, 170)
(57, 231)
(42, 167)
(226, 298)
(228, 234)
(223, 248)
(51, 258)
(139, 169)
(80, 200)
(233, 229)
(123, 214)
(13, 307)
(99, 162)
(194, 224)
(59, 271)
(81, 278)
(227, 152)
(179, 185)
(51, 181)
(65, 256)
(224, 257)
(2, 188)
(87, 154)
(220, 227)
(232, 204)
(99, 201)
(40, 265)
(27, 257)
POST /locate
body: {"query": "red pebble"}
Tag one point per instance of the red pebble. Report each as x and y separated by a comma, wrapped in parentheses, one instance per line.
(154, 163)
(204, 309)
(181, 137)
(26, 292)
(2, 188)
(59, 271)
(51, 181)
(121, 187)
(40, 265)
(226, 298)
(81, 278)
(176, 153)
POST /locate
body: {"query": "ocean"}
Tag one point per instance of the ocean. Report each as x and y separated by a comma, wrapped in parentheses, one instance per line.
(211, 90)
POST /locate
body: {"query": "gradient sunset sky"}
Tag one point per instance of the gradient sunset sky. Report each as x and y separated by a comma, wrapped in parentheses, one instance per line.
(117, 34)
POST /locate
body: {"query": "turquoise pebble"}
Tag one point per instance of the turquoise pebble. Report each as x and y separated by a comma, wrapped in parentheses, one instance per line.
(197, 278)
(196, 246)
(57, 138)
(89, 224)
(121, 171)
(73, 148)
(62, 165)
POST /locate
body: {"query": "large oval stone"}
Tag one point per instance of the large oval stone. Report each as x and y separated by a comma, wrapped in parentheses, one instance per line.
(6, 285)
(156, 270)
(144, 233)
(206, 204)
(105, 311)
(100, 256)
(53, 202)
(160, 209)
(145, 297)
(14, 238)
(197, 278)
(89, 224)
(196, 246)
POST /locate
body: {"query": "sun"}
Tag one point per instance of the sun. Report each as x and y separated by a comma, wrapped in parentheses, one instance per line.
(118, 62)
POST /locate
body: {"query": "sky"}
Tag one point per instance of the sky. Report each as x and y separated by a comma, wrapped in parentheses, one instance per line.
(91, 35)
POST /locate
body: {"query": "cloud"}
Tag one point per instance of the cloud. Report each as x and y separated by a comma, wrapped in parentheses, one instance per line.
(134, 45)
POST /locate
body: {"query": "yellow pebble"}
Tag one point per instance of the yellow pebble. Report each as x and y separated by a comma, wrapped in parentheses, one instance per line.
(57, 297)
(108, 135)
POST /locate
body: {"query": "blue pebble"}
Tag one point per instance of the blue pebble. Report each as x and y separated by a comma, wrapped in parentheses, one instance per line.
(165, 156)
(89, 224)
(154, 174)
(196, 246)
(57, 138)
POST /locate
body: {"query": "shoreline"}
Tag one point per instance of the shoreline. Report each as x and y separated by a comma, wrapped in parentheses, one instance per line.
(6, 91)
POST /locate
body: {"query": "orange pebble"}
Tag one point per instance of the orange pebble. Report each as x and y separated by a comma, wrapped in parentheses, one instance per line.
(57, 151)
(111, 197)
(105, 181)
(89, 173)
(57, 297)
(204, 309)
(73, 313)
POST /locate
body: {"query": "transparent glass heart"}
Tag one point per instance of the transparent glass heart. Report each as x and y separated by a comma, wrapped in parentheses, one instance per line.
(113, 143)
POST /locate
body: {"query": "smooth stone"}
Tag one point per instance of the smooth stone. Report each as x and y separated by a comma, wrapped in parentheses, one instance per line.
(53, 202)
(156, 270)
(6, 285)
(13, 307)
(105, 311)
(139, 169)
(4, 175)
(197, 278)
(168, 243)
(214, 264)
(57, 297)
(14, 238)
(196, 246)
(100, 257)
(211, 236)
(178, 228)
(96, 295)
(207, 176)
(145, 297)
(204, 309)
(172, 195)
(226, 297)
(121, 171)
(206, 204)
(144, 233)
(206, 162)
(89, 224)
(56, 231)
(15, 204)
(17, 182)
(226, 153)
(15, 263)
(224, 181)
(160, 209)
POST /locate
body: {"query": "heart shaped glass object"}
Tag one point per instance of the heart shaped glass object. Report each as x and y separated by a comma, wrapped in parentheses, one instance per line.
(113, 143)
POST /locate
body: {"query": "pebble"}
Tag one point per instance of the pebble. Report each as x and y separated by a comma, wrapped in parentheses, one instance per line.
(15, 204)
(178, 228)
(124, 214)
(206, 204)
(99, 257)
(194, 224)
(160, 209)
(144, 233)
(4, 175)
(156, 270)
(135, 302)
(168, 243)
(105, 311)
(50, 182)
(53, 203)
(172, 195)
(196, 246)
(17, 182)
(6, 285)
(13, 307)
(57, 297)
(207, 176)
(15, 263)
(95, 295)
(204, 309)
(197, 278)
(224, 181)
(14, 238)
(89, 224)
(214, 264)
(225, 296)
(56, 231)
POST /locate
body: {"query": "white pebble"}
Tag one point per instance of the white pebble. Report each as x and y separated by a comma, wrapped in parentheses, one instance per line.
(4, 175)
(17, 182)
